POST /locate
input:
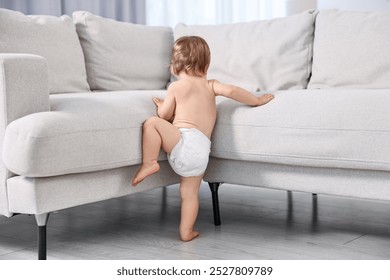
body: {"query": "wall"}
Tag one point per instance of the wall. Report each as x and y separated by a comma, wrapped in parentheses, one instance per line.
(363, 5)
(297, 6)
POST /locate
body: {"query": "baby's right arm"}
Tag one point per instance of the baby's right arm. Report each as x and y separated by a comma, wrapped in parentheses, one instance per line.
(239, 94)
(166, 108)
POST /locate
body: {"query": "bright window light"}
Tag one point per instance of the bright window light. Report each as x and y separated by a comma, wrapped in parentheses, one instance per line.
(171, 12)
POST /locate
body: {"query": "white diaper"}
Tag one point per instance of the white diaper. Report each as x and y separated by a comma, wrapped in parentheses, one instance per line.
(191, 155)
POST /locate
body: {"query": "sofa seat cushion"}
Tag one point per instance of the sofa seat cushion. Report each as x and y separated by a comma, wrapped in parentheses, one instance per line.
(320, 128)
(82, 132)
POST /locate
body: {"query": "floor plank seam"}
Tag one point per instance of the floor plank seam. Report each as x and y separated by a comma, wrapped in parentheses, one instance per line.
(355, 239)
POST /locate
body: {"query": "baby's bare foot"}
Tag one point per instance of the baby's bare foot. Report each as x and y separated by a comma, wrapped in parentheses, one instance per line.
(264, 99)
(144, 171)
(188, 235)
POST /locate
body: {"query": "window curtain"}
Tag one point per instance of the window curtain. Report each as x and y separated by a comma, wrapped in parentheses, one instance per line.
(171, 12)
(123, 10)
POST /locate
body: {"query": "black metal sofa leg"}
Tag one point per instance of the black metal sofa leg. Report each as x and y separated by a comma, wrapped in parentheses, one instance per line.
(42, 221)
(214, 192)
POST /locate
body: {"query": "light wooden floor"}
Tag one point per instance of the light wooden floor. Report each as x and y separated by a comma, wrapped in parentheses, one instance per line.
(256, 224)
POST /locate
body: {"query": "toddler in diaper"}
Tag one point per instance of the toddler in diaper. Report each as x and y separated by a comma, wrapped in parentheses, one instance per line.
(190, 156)
(184, 123)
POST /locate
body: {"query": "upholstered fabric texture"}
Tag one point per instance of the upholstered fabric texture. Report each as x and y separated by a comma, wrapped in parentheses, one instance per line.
(351, 50)
(82, 132)
(261, 55)
(124, 56)
(43, 195)
(23, 91)
(53, 38)
(322, 128)
(358, 183)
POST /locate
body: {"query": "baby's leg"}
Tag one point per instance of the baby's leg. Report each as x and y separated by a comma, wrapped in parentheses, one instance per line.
(156, 133)
(189, 189)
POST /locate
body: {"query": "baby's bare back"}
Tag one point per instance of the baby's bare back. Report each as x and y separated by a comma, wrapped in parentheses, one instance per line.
(195, 105)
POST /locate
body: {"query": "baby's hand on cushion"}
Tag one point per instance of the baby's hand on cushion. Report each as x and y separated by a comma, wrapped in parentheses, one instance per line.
(264, 99)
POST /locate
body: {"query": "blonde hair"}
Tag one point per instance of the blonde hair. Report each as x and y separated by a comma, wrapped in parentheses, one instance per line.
(191, 55)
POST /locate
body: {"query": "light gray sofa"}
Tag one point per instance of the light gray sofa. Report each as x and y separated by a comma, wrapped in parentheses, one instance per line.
(75, 92)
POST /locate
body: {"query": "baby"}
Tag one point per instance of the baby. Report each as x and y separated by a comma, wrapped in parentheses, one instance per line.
(185, 122)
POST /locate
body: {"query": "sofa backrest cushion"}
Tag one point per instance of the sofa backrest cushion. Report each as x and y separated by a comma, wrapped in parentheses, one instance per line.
(124, 56)
(351, 50)
(259, 55)
(53, 38)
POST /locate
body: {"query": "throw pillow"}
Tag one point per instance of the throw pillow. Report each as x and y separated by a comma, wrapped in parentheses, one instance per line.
(351, 50)
(260, 55)
(53, 38)
(124, 56)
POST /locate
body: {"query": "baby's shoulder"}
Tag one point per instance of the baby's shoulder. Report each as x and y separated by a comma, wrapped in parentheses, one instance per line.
(179, 85)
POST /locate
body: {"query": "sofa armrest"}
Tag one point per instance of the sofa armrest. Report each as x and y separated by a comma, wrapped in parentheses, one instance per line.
(24, 89)
(24, 86)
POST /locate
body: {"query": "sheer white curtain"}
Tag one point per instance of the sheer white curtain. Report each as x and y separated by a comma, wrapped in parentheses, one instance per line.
(124, 10)
(36, 7)
(171, 12)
